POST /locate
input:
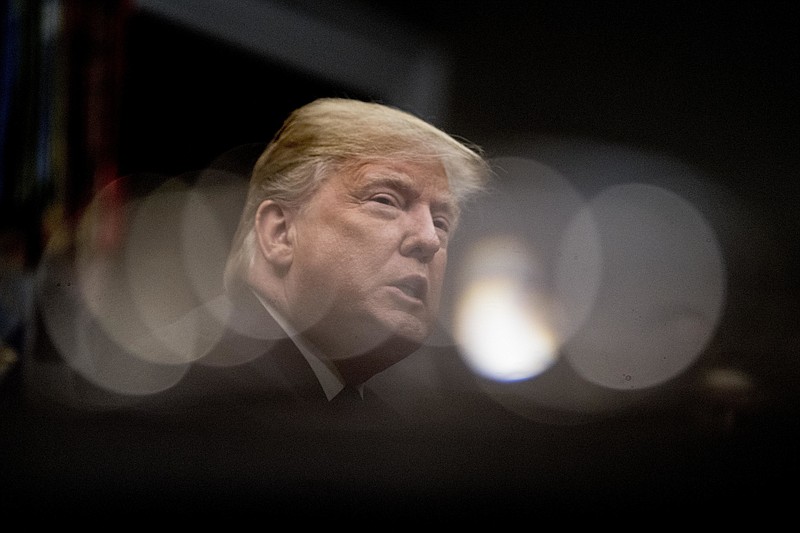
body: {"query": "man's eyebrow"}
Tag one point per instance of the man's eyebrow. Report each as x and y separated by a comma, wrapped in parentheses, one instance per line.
(394, 180)
(448, 207)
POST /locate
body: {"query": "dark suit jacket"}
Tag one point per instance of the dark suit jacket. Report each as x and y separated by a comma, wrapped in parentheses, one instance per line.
(252, 365)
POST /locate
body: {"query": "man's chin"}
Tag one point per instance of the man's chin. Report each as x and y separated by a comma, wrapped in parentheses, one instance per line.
(399, 342)
(408, 326)
(395, 335)
(377, 357)
(392, 340)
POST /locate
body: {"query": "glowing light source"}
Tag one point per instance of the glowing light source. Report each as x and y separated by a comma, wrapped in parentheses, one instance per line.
(527, 271)
(499, 320)
(500, 333)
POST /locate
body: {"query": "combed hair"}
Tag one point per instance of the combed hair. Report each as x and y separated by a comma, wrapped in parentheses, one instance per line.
(328, 134)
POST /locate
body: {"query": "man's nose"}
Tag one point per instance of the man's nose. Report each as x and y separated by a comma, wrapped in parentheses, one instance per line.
(421, 239)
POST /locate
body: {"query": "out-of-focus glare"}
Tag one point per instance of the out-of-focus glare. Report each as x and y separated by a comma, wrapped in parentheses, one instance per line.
(601, 257)
(88, 347)
(156, 273)
(577, 268)
(185, 263)
(532, 231)
(662, 289)
(130, 311)
(210, 209)
(500, 336)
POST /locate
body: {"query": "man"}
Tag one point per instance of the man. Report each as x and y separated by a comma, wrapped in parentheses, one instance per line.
(343, 238)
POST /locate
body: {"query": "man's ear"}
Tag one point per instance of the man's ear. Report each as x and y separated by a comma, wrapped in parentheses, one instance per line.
(273, 227)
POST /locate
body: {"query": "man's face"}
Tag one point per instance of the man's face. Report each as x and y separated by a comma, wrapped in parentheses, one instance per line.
(370, 251)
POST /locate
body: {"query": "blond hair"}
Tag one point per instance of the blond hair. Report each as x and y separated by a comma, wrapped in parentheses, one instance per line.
(328, 134)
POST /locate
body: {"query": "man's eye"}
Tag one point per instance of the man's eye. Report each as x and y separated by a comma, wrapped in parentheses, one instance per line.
(385, 199)
(442, 224)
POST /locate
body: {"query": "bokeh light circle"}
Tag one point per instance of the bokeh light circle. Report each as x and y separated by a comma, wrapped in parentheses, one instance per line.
(662, 289)
(610, 254)
(524, 272)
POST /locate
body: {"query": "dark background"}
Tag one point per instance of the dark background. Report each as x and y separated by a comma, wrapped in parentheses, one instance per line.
(714, 85)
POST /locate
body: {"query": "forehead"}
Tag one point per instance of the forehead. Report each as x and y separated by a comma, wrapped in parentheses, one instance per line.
(426, 177)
